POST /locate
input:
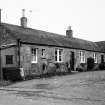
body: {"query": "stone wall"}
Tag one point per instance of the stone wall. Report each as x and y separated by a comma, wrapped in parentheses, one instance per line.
(9, 51)
(37, 68)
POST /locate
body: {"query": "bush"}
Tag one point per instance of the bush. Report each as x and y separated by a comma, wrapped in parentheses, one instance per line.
(57, 65)
(51, 68)
(12, 74)
(68, 67)
(57, 68)
(96, 67)
(81, 67)
(61, 68)
(102, 66)
(90, 63)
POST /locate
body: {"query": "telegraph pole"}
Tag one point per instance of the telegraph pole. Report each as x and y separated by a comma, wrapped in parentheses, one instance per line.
(1, 72)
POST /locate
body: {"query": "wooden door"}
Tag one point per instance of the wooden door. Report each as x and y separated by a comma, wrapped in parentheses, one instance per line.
(72, 60)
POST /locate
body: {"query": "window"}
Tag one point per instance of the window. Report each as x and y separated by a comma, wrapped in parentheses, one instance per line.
(82, 57)
(34, 55)
(43, 52)
(59, 55)
(95, 57)
(9, 59)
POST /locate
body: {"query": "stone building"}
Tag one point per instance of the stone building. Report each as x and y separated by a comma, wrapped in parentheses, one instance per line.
(31, 49)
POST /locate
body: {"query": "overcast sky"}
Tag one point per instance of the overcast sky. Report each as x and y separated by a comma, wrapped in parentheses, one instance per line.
(87, 17)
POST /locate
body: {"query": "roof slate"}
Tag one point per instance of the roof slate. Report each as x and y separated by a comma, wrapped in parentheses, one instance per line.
(34, 36)
(101, 44)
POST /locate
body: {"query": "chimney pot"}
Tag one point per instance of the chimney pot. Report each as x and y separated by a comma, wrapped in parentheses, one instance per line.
(69, 32)
(23, 19)
(69, 27)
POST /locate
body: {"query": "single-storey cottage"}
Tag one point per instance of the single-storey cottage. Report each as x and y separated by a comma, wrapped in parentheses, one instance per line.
(36, 52)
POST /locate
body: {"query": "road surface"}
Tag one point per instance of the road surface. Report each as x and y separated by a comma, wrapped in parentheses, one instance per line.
(86, 88)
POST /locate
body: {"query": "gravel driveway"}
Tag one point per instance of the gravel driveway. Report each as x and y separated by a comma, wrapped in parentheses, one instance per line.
(87, 88)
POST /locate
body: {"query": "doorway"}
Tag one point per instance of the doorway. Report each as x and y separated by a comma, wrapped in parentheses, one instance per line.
(72, 60)
(102, 58)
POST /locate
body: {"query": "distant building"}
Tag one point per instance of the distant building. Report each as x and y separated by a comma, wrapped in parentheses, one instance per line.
(29, 49)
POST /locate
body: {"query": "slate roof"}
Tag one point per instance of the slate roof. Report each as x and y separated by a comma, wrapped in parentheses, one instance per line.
(101, 44)
(34, 36)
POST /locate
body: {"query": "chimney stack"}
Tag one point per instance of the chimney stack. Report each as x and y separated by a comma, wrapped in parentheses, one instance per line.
(23, 19)
(69, 32)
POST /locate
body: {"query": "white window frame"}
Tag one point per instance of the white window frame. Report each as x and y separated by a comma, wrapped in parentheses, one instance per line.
(82, 56)
(34, 55)
(95, 57)
(59, 55)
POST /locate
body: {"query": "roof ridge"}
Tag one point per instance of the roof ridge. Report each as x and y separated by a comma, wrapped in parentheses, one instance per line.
(64, 36)
(49, 38)
(32, 29)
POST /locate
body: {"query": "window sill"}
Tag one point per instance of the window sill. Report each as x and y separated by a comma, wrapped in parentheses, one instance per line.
(59, 61)
(34, 62)
(82, 62)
